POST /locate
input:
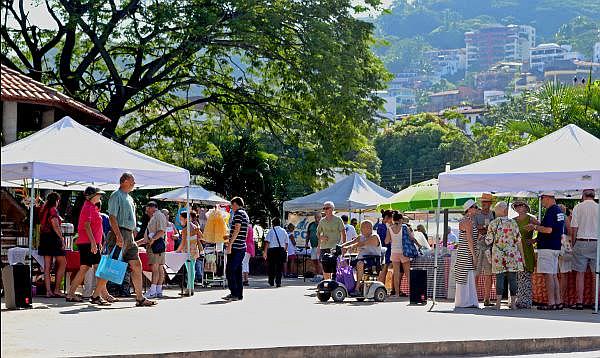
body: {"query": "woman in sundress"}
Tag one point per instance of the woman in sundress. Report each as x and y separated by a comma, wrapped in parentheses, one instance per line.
(466, 290)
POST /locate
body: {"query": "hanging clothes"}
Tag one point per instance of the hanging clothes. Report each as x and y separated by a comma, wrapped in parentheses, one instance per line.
(216, 230)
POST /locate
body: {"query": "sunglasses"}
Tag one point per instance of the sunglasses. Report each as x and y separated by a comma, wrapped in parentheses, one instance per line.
(328, 208)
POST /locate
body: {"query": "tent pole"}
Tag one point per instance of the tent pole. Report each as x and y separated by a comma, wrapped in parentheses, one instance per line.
(31, 209)
(597, 264)
(191, 264)
(437, 242)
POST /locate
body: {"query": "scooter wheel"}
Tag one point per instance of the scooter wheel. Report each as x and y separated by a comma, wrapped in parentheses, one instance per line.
(379, 295)
(338, 294)
(324, 297)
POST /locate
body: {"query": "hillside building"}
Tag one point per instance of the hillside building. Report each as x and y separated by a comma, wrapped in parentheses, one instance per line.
(488, 46)
(447, 62)
(546, 55)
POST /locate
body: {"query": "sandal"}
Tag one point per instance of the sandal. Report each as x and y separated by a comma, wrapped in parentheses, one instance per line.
(545, 308)
(74, 299)
(112, 299)
(144, 303)
(99, 301)
(58, 295)
(578, 306)
(559, 307)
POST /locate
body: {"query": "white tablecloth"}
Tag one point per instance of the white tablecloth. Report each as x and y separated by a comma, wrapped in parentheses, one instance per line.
(19, 255)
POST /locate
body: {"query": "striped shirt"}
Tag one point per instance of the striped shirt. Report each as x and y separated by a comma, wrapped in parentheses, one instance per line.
(240, 217)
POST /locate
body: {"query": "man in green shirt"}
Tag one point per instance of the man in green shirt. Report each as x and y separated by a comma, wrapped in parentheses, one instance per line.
(121, 215)
(313, 238)
(331, 232)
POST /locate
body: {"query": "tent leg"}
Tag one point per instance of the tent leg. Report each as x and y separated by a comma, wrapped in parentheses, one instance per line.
(31, 209)
(437, 242)
(191, 268)
(597, 266)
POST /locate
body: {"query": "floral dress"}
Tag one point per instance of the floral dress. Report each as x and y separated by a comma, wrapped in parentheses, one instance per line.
(504, 236)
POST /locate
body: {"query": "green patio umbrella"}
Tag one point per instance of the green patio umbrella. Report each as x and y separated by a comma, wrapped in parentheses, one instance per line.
(423, 197)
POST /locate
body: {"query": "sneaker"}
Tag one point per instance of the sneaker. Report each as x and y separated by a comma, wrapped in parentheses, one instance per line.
(229, 297)
(159, 295)
(151, 295)
(233, 299)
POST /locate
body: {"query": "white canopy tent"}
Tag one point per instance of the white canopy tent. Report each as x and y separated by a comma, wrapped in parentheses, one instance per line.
(353, 193)
(564, 160)
(68, 154)
(197, 195)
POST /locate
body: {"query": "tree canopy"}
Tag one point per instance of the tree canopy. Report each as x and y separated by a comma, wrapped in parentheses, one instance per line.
(288, 65)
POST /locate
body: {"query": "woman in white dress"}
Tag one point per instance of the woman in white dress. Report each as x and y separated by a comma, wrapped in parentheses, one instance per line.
(466, 290)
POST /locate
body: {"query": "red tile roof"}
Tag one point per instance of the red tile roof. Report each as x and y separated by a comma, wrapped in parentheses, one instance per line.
(20, 88)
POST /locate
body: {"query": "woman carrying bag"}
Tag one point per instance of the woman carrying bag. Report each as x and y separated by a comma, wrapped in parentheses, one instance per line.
(89, 244)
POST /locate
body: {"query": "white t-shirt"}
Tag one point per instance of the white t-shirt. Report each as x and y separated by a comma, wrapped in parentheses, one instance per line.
(281, 235)
(585, 219)
(422, 240)
(291, 247)
(350, 232)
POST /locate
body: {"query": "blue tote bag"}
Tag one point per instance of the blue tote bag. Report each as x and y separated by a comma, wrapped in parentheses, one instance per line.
(110, 269)
(408, 246)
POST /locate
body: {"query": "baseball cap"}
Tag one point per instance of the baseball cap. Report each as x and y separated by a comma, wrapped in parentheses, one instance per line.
(468, 204)
(548, 193)
(152, 204)
(92, 191)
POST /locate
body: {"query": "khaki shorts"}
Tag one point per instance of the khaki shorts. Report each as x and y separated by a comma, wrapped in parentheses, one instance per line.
(156, 259)
(130, 249)
(547, 261)
(483, 264)
(584, 255)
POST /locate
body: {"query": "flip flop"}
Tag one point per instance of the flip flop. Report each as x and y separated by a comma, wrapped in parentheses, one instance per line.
(59, 295)
(99, 301)
(144, 303)
(74, 299)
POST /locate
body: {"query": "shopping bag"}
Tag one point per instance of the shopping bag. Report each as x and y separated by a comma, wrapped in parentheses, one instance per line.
(345, 275)
(408, 246)
(110, 269)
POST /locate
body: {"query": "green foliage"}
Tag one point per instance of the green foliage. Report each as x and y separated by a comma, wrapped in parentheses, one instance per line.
(582, 33)
(424, 143)
(535, 114)
(442, 23)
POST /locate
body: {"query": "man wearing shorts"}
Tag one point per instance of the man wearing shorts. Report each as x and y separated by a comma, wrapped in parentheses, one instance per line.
(584, 236)
(331, 232)
(155, 230)
(313, 238)
(121, 214)
(548, 244)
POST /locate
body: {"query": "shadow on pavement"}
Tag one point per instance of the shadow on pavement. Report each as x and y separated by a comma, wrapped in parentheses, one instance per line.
(564, 315)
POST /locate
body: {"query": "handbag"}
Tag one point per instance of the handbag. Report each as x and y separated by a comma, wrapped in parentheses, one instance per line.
(566, 248)
(159, 246)
(110, 269)
(408, 247)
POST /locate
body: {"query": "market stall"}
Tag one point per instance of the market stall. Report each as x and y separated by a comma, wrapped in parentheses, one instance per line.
(71, 155)
(353, 193)
(539, 166)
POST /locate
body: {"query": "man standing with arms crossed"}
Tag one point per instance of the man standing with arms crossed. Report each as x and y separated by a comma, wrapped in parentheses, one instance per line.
(331, 231)
(121, 211)
(584, 236)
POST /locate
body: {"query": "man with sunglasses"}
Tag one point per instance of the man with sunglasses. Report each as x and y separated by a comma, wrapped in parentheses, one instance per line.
(331, 231)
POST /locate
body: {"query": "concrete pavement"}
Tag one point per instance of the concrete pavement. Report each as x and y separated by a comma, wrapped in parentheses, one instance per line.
(289, 316)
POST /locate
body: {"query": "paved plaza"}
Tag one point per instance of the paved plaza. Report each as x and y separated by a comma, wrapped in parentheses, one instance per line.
(267, 317)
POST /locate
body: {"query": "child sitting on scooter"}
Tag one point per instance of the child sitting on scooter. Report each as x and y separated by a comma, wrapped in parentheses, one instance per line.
(368, 245)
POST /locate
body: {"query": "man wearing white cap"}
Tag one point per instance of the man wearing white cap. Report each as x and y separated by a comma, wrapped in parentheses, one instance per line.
(548, 243)
(331, 232)
(584, 236)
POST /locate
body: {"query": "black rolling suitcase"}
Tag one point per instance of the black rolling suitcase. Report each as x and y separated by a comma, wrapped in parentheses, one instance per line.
(418, 287)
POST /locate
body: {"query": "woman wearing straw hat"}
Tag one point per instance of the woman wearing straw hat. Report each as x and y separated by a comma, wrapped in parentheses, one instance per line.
(524, 286)
(466, 290)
